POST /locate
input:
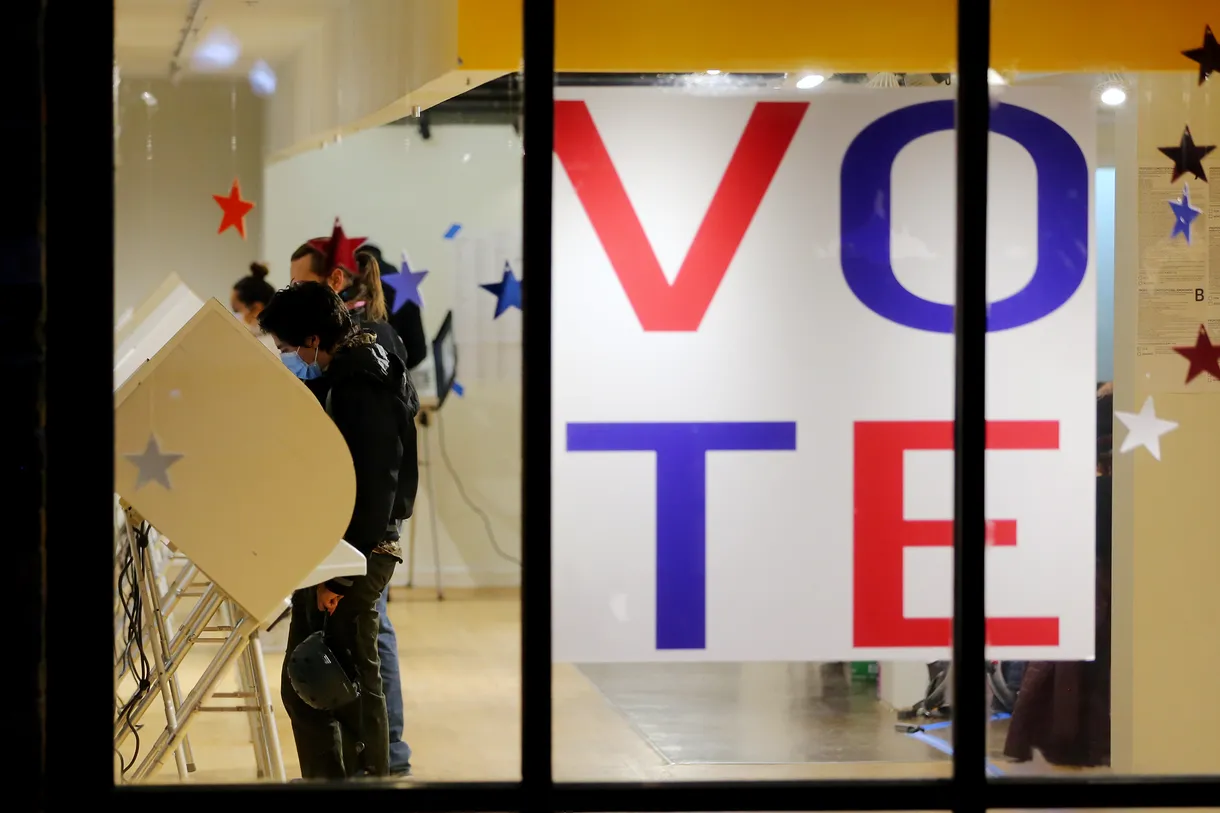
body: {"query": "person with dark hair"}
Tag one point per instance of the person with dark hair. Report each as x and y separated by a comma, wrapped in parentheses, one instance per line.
(330, 261)
(407, 320)
(1063, 709)
(356, 277)
(368, 394)
(248, 298)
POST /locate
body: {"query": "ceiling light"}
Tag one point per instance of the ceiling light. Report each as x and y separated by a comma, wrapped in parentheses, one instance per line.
(713, 73)
(810, 81)
(218, 51)
(1113, 96)
(262, 79)
(994, 77)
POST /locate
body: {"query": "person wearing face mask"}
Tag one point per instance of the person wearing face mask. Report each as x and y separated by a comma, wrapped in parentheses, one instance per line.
(368, 394)
(248, 298)
(356, 277)
(330, 261)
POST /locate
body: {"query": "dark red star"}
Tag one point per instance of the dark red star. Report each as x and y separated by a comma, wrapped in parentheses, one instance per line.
(1208, 56)
(340, 250)
(235, 210)
(1204, 356)
(1187, 157)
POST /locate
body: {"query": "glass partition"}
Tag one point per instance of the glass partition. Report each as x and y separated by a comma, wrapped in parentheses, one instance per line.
(1139, 441)
(317, 396)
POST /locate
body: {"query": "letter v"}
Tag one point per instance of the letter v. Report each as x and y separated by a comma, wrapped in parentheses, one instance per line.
(659, 305)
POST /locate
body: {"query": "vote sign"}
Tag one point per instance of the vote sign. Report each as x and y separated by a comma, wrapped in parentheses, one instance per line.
(753, 376)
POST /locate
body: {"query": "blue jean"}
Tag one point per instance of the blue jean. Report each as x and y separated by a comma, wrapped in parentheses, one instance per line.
(391, 683)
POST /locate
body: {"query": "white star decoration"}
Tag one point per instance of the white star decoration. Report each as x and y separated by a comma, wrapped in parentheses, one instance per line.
(153, 464)
(1144, 429)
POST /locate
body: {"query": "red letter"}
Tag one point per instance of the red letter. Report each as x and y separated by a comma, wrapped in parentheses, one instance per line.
(881, 533)
(659, 305)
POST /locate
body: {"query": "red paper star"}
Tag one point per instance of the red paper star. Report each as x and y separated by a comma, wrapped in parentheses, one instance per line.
(1204, 356)
(235, 210)
(340, 250)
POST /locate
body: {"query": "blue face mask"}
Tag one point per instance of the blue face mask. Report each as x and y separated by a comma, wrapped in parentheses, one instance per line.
(302, 369)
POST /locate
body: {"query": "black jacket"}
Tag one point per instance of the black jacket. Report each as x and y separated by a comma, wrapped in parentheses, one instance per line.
(408, 321)
(387, 337)
(369, 396)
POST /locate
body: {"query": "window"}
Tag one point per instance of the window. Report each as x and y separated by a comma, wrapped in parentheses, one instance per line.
(663, 467)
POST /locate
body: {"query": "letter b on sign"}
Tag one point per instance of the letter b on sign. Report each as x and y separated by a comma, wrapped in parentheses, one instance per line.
(865, 223)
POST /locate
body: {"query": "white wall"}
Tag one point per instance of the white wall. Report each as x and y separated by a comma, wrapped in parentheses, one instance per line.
(171, 159)
(403, 193)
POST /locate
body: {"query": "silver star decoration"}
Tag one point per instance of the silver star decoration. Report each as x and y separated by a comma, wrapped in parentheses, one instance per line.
(153, 464)
(1144, 429)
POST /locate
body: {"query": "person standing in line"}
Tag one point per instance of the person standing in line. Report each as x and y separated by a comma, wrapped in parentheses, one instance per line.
(355, 277)
(248, 298)
(1063, 709)
(369, 396)
(322, 260)
(407, 320)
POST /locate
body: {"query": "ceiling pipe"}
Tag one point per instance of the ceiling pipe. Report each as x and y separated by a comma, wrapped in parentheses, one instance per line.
(192, 15)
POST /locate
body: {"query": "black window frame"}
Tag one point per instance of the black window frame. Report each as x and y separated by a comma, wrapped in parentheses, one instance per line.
(67, 650)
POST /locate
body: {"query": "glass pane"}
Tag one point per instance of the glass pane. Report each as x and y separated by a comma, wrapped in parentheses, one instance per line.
(1124, 363)
(752, 429)
(349, 136)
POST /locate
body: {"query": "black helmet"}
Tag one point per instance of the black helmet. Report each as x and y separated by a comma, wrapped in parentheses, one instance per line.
(317, 676)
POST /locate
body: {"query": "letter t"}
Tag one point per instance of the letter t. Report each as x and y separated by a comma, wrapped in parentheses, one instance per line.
(681, 450)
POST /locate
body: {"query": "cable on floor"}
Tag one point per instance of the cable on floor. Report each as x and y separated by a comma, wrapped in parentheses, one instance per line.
(136, 661)
(491, 534)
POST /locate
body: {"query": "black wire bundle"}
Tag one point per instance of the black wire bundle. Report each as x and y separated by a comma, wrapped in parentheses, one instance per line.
(491, 535)
(135, 660)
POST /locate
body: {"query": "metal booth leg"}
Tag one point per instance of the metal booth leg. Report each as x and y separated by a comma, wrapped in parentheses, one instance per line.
(436, 541)
(266, 710)
(171, 736)
(148, 587)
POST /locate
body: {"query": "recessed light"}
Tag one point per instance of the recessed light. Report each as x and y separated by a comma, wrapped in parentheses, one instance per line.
(810, 81)
(1113, 96)
(994, 77)
(713, 73)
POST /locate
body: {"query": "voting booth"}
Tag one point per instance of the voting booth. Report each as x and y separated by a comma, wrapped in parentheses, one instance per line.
(227, 460)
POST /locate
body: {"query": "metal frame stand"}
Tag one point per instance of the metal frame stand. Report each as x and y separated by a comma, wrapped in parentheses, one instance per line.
(237, 635)
(426, 416)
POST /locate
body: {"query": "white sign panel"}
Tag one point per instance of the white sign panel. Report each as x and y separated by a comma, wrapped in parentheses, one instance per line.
(753, 376)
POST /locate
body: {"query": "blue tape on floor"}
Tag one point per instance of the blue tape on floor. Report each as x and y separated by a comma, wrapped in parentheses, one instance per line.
(452, 231)
(935, 742)
(947, 748)
(947, 723)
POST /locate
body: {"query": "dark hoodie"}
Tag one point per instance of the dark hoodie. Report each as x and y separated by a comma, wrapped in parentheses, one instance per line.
(368, 394)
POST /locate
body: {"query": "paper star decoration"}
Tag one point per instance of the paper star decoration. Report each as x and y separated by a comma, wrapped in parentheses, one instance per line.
(1204, 356)
(1184, 214)
(1208, 56)
(235, 210)
(152, 464)
(406, 284)
(339, 249)
(1144, 429)
(507, 291)
(1187, 157)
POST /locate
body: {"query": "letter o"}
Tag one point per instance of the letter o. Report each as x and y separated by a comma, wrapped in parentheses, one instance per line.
(865, 199)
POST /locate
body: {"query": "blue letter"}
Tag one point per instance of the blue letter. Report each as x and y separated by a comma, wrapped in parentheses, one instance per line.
(681, 504)
(864, 216)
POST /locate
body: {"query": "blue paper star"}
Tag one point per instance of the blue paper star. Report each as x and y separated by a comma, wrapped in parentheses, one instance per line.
(507, 291)
(406, 285)
(1184, 214)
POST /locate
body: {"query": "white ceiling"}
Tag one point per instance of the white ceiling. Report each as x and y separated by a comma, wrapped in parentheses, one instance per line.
(146, 32)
